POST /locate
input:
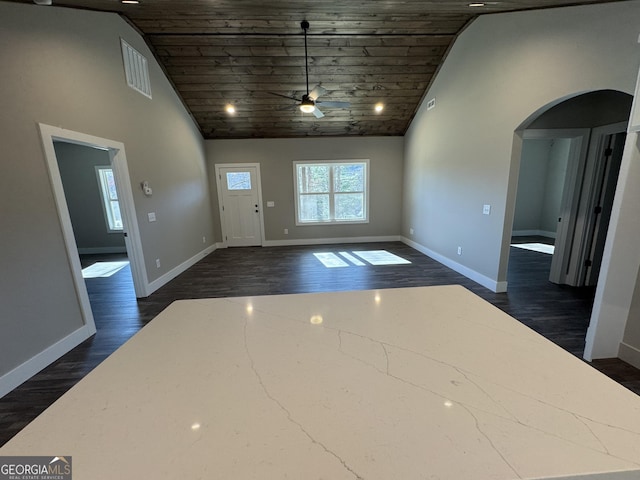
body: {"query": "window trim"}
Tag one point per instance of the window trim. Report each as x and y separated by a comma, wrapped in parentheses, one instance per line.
(331, 193)
(104, 199)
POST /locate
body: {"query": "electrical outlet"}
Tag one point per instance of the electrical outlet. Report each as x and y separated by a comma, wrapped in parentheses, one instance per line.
(157, 263)
(486, 209)
(204, 239)
(286, 231)
(459, 250)
(411, 231)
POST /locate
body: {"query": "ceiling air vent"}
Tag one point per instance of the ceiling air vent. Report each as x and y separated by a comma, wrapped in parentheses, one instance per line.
(136, 69)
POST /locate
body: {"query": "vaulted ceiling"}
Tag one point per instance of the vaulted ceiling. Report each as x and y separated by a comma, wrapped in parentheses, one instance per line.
(251, 54)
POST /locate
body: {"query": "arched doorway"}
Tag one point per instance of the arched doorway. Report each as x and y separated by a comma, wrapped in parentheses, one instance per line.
(568, 159)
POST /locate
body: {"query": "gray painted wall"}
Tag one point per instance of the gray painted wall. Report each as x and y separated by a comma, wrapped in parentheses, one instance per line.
(63, 67)
(503, 71)
(554, 183)
(77, 166)
(531, 185)
(540, 185)
(631, 337)
(276, 157)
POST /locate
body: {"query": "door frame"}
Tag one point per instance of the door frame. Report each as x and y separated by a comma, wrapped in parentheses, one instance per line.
(133, 243)
(579, 138)
(588, 200)
(219, 166)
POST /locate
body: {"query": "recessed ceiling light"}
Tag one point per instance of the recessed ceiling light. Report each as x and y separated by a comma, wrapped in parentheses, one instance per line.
(230, 109)
(379, 107)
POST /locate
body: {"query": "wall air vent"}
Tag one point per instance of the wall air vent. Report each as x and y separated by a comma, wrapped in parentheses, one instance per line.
(136, 69)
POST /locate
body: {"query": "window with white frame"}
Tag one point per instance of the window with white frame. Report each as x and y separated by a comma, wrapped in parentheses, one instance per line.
(334, 192)
(107, 184)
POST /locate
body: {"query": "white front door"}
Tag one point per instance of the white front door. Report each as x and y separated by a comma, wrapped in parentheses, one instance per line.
(240, 205)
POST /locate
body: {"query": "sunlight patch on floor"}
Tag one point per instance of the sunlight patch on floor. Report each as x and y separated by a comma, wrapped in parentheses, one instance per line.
(381, 257)
(535, 247)
(330, 260)
(372, 257)
(103, 269)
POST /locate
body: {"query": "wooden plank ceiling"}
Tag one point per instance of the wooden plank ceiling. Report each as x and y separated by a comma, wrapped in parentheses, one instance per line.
(242, 52)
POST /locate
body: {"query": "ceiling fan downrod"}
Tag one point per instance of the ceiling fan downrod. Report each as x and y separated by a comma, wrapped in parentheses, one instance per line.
(305, 26)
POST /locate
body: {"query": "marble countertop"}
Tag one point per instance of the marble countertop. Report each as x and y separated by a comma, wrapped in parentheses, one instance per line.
(410, 383)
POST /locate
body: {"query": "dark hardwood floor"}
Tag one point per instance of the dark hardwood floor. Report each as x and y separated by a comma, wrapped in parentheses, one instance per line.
(559, 313)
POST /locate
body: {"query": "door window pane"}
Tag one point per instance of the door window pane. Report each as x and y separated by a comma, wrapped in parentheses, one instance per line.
(238, 181)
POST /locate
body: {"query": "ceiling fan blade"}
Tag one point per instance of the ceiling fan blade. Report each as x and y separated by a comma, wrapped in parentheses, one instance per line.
(317, 113)
(335, 104)
(285, 96)
(316, 92)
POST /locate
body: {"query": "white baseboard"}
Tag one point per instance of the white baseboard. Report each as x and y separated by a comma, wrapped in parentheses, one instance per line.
(329, 241)
(101, 250)
(533, 233)
(494, 286)
(28, 369)
(174, 272)
(629, 354)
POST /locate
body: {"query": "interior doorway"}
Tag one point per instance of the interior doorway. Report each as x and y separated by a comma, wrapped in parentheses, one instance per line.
(565, 194)
(91, 195)
(567, 181)
(133, 246)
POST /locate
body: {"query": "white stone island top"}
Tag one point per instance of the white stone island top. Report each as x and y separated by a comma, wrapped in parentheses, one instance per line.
(426, 383)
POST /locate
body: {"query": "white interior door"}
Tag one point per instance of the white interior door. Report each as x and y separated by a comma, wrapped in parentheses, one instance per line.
(241, 205)
(563, 261)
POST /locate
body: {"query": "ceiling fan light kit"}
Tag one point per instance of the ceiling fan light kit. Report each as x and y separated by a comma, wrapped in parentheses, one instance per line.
(307, 105)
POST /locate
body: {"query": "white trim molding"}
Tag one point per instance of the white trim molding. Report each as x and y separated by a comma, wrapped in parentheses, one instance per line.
(329, 241)
(629, 354)
(493, 285)
(184, 266)
(28, 369)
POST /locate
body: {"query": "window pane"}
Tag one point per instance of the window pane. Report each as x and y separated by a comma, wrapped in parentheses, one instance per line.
(238, 181)
(348, 177)
(107, 186)
(314, 208)
(116, 218)
(111, 184)
(349, 206)
(313, 178)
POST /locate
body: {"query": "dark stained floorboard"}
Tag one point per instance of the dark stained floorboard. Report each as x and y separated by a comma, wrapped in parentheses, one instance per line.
(559, 313)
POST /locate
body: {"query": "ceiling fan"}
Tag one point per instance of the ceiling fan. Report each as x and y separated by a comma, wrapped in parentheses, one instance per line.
(309, 102)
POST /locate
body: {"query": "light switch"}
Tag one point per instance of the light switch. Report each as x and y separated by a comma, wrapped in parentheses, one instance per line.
(486, 210)
(152, 216)
(271, 203)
